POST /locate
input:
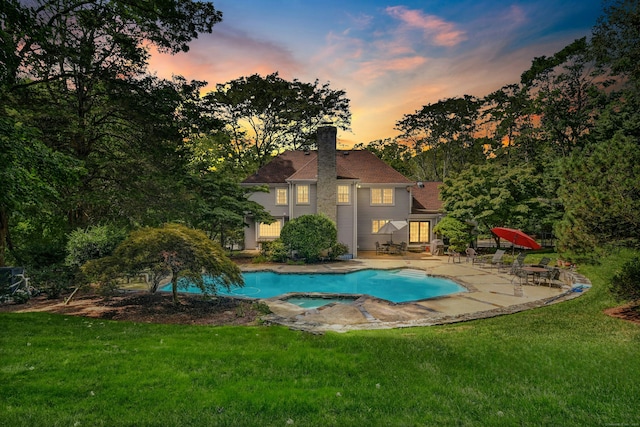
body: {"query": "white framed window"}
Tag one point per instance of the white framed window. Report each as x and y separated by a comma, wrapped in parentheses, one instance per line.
(382, 196)
(419, 231)
(302, 194)
(376, 224)
(344, 194)
(269, 231)
(281, 196)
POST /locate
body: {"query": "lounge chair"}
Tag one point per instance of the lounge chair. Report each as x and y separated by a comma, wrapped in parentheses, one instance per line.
(544, 262)
(491, 260)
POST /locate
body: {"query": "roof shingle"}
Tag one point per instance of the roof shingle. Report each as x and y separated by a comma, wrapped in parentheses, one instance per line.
(301, 165)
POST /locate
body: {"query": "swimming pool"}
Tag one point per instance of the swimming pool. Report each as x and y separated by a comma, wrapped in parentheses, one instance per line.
(400, 285)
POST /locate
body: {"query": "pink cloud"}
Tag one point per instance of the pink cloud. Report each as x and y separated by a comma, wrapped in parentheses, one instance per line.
(442, 33)
(225, 55)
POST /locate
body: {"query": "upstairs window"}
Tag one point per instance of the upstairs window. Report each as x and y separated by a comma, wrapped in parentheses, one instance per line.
(281, 196)
(382, 196)
(302, 194)
(344, 194)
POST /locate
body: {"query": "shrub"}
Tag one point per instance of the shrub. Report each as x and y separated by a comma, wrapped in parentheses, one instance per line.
(456, 231)
(54, 280)
(93, 243)
(174, 251)
(309, 236)
(274, 251)
(625, 284)
(338, 250)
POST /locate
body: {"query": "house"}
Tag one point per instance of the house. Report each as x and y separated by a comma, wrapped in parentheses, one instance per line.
(354, 188)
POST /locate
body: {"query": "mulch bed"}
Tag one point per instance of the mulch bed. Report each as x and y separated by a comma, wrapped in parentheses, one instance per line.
(192, 309)
(149, 308)
(629, 312)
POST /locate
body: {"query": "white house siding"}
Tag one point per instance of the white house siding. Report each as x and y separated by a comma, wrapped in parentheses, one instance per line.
(367, 213)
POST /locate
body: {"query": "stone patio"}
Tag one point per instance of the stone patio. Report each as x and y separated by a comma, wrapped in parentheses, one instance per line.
(490, 293)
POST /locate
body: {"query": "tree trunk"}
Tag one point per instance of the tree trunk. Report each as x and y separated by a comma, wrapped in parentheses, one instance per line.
(4, 234)
(174, 288)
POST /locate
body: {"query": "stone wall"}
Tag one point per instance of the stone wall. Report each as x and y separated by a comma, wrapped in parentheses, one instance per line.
(327, 175)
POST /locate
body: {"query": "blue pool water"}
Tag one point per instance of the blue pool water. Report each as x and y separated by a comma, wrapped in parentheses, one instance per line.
(400, 285)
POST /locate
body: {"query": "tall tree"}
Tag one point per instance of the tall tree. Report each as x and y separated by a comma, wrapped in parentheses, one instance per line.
(393, 153)
(509, 118)
(76, 70)
(616, 39)
(31, 175)
(495, 196)
(266, 114)
(445, 133)
(565, 92)
(601, 191)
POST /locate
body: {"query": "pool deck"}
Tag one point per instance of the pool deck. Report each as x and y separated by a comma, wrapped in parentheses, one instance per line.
(490, 293)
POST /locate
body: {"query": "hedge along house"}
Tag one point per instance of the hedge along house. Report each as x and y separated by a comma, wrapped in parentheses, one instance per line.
(354, 188)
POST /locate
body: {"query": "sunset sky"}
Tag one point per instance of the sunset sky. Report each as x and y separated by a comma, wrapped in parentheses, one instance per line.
(390, 58)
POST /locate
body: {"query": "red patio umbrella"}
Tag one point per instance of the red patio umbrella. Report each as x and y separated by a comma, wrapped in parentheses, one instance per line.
(516, 237)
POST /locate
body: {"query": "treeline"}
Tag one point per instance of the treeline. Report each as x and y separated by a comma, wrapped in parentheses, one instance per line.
(89, 137)
(557, 152)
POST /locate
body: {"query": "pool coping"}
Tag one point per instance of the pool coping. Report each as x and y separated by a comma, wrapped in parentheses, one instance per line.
(490, 293)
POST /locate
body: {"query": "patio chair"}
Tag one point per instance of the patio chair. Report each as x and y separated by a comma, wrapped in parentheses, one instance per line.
(452, 255)
(403, 248)
(471, 254)
(552, 275)
(516, 269)
(517, 263)
(380, 249)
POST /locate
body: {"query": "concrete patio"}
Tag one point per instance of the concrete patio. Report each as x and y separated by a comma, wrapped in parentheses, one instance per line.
(490, 293)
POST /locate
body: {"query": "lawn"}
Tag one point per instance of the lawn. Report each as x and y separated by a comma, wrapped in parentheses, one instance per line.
(566, 364)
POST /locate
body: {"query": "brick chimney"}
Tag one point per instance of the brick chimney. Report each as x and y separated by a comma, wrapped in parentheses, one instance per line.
(327, 175)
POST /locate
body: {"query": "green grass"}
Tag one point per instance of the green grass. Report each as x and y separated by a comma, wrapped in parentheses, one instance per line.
(562, 365)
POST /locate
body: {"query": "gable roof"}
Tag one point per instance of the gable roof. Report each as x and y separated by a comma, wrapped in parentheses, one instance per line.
(426, 197)
(303, 165)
